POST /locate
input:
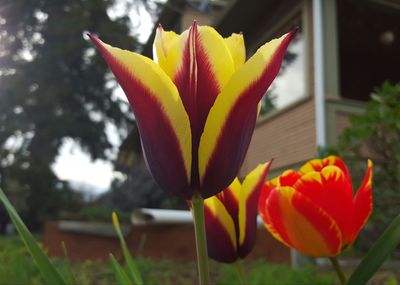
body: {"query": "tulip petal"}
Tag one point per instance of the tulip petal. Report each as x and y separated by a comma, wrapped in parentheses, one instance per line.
(363, 201)
(230, 198)
(248, 199)
(301, 224)
(199, 63)
(235, 44)
(159, 113)
(328, 189)
(319, 164)
(220, 231)
(269, 211)
(288, 178)
(231, 121)
(163, 42)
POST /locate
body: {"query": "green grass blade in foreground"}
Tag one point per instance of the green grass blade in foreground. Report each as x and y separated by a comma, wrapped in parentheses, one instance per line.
(69, 275)
(133, 270)
(377, 255)
(48, 271)
(122, 277)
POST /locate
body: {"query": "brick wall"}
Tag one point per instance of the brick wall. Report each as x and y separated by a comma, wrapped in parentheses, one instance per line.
(164, 241)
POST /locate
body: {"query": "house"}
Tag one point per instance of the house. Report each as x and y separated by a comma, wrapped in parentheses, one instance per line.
(343, 50)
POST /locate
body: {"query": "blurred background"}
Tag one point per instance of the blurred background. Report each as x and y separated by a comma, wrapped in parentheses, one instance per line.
(69, 146)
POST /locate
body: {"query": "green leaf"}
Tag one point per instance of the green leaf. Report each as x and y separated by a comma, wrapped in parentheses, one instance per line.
(69, 275)
(122, 277)
(133, 270)
(48, 271)
(375, 257)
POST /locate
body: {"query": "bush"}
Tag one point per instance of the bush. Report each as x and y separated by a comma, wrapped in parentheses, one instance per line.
(376, 134)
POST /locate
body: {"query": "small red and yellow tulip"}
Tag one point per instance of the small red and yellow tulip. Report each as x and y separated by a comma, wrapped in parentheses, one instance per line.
(231, 217)
(196, 104)
(314, 210)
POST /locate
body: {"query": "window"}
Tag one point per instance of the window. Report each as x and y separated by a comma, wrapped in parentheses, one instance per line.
(369, 45)
(290, 84)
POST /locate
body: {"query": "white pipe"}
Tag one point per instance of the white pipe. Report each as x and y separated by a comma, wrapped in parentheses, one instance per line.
(160, 216)
(297, 259)
(146, 216)
(319, 74)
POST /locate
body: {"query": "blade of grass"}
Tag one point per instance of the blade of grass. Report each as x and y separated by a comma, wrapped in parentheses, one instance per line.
(69, 275)
(50, 274)
(133, 270)
(377, 255)
(122, 277)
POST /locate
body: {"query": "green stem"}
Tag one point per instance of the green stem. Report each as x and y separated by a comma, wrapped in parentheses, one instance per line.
(201, 242)
(338, 269)
(241, 273)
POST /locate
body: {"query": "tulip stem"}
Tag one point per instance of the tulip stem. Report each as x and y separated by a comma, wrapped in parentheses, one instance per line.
(241, 273)
(338, 269)
(201, 242)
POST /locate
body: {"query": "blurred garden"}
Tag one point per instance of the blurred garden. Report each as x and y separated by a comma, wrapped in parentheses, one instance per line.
(259, 146)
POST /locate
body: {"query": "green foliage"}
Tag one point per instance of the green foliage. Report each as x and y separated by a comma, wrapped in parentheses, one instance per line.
(392, 280)
(102, 213)
(120, 274)
(376, 134)
(49, 273)
(18, 267)
(13, 257)
(69, 275)
(268, 102)
(377, 255)
(133, 273)
(262, 273)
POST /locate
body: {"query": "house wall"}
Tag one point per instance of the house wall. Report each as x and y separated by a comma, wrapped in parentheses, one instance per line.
(338, 112)
(288, 136)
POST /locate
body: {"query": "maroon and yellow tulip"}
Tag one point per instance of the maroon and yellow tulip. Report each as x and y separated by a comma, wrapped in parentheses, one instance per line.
(314, 210)
(196, 104)
(231, 217)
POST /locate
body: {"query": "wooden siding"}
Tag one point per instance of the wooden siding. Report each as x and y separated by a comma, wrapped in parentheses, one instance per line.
(288, 137)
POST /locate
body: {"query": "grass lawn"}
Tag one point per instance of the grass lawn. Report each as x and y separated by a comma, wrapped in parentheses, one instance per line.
(17, 268)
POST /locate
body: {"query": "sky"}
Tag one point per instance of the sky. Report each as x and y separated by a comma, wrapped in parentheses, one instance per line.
(72, 163)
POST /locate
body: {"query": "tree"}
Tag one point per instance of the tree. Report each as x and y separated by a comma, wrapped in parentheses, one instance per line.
(53, 87)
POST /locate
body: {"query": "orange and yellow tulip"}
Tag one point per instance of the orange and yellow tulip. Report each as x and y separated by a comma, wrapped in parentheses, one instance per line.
(231, 217)
(314, 210)
(196, 104)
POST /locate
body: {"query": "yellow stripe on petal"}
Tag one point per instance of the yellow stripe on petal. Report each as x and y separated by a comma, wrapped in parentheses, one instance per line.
(163, 42)
(230, 198)
(319, 164)
(271, 213)
(216, 53)
(253, 182)
(171, 59)
(218, 210)
(149, 75)
(235, 187)
(235, 44)
(237, 103)
(308, 236)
